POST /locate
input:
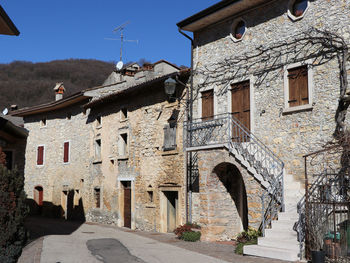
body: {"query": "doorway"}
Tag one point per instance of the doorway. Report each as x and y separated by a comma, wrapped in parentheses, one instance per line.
(171, 209)
(127, 203)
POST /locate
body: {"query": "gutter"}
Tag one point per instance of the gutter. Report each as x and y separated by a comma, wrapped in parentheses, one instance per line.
(189, 119)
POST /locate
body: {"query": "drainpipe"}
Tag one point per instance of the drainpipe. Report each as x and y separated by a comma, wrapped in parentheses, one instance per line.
(189, 121)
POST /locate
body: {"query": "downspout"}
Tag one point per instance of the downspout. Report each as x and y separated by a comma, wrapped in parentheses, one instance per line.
(189, 121)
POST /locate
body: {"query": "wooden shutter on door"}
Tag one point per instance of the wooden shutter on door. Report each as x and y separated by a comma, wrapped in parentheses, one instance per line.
(40, 157)
(241, 103)
(66, 152)
(207, 105)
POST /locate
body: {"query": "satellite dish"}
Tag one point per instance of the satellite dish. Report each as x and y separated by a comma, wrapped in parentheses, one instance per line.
(5, 111)
(119, 65)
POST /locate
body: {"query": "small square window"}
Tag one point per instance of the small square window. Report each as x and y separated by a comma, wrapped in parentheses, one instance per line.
(123, 114)
(123, 144)
(150, 196)
(98, 121)
(98, 148)
(66, 152)
(43, 122)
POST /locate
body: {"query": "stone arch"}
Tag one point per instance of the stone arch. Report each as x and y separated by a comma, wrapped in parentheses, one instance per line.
(231, 178)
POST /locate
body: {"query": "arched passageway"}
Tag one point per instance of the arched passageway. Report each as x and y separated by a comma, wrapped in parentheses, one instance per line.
(232, 180)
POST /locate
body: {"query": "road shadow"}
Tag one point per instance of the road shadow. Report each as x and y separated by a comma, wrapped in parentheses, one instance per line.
(39, 226)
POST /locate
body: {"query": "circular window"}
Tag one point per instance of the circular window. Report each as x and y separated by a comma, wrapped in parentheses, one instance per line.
(238, 30)
(299, 7)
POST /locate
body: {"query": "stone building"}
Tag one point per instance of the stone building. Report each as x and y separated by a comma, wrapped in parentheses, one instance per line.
(139, 157)
(265, 93)
(111, 154)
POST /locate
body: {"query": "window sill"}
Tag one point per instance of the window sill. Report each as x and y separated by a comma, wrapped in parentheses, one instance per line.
(307, 107)
(170, 152)
(150, 205)
(98, 127)
(124, 120)
(121, 158)
(97, 161)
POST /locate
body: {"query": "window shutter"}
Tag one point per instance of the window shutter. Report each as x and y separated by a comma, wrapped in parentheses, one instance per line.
(169, 136)
(40, 157)
(298, 86)
(66, 152)
(207, 105)
(303, 86)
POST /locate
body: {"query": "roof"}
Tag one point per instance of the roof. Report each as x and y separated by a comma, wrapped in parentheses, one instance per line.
(12, 130)
(55, 105)
(7, 27)
(115, 95)
(216, 13)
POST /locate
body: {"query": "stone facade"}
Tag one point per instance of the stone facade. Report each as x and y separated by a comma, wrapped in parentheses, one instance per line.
(220, 61)
(294, 134)
(140, 159)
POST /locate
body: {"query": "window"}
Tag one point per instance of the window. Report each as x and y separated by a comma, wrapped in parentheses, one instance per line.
(207, 104)
(298, 86)
(98, 121)
(297, 9)
(98, 148)
(9, 159)
(97, 196)
(66, 152)
(123, 144)
(123, 114)
(40, 155)
(150, 196)
(43, 122)
(169, 136)
(38, 195)
(238, 30)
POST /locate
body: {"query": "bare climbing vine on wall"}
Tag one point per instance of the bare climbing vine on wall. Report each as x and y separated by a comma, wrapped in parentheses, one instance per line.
(313, 45)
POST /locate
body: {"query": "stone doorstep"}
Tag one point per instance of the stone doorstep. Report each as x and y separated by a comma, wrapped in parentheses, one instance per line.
(271, 252)
(285, 234)
(282, 225)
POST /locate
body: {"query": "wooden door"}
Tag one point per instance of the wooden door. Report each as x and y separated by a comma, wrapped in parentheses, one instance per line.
(207, 105)
(172, 203)
(127, 207)
(240, 107)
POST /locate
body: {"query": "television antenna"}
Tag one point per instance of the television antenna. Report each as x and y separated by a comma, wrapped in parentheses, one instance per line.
(122, 40)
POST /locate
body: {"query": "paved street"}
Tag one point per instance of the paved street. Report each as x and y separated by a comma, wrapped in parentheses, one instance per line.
(71, 242)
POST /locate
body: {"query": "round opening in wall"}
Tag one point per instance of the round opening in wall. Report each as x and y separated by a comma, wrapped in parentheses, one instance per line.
(299, 7)
(238, 30)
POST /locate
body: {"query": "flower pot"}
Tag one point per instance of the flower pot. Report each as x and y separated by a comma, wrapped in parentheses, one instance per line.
(317, 256)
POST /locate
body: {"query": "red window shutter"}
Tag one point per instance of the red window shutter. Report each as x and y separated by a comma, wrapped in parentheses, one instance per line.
(40, 157)
(66, 152)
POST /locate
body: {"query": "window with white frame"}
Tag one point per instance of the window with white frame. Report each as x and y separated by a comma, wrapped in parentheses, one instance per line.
(40, 155)
(298, 86)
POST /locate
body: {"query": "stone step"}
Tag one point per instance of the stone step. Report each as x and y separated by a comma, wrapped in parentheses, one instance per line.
(282, 234)
(288, 215)
(278, 243)
(271, 252)
(282, 225)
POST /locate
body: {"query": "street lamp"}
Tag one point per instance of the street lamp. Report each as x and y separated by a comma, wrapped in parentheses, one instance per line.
(169, 87)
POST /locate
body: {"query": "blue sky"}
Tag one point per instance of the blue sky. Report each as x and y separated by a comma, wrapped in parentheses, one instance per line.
(53, 29)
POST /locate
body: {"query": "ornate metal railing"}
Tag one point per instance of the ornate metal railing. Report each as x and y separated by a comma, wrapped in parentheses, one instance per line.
(324, 216)
(225, 131)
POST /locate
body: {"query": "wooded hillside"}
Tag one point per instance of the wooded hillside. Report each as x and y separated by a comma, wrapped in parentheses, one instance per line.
(28, 84)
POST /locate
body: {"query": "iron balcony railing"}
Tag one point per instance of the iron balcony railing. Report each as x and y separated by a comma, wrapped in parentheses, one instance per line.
(226, 131)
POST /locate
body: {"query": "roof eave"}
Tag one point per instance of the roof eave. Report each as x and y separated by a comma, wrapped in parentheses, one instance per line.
(12, 29)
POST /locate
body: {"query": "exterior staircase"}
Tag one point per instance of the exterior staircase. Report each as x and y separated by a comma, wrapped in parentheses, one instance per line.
(280, 241)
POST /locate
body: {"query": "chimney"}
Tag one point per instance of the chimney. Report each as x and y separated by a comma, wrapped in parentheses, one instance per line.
(14, 107)
(59, 90)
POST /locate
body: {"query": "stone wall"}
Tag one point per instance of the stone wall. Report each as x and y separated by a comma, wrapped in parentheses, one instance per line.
(290, 135)
(145, 163)
(219, 216)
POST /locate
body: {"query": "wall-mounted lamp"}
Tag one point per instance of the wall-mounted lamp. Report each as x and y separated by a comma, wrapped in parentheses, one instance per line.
(169, 87)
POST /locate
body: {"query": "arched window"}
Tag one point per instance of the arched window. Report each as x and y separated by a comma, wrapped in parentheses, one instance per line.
(299, 7)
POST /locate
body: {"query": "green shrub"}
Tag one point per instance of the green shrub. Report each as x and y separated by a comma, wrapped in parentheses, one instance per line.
(239, 247)
(181, 229)
(248, 237)
(12, 214)
(191, 236)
